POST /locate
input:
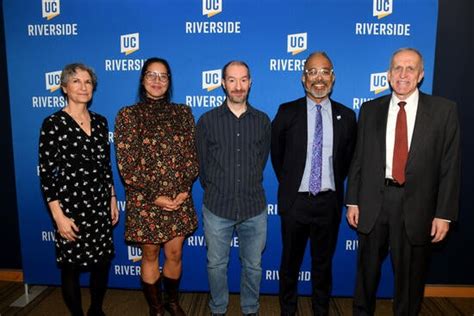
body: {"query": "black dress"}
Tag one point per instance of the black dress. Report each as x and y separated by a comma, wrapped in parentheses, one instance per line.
(75, 169)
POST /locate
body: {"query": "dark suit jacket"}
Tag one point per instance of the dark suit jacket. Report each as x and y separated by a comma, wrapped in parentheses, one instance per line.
(432, 172)
(289, 147)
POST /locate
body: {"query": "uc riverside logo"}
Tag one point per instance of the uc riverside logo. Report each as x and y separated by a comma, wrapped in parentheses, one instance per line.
(378, 82)
(53, 80)
(50, 8)
(297, 43)
(382, 8)
(52, 83)
(129, 43)
(211, 79)
(134, 253)
(211, 7)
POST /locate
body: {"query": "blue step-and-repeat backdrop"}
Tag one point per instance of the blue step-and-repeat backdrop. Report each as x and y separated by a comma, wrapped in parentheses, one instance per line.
(197, 37)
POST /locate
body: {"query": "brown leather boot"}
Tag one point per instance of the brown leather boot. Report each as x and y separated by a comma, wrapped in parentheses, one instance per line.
(153, 297)
(172, 290)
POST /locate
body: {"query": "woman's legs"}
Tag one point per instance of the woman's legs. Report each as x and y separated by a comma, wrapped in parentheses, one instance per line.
(150, 264)
(173, 253)
(151, 281)
(172, 273)
(71, 289)
(99, 279)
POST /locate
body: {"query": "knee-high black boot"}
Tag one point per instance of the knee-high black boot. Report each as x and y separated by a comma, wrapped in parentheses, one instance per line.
(153, 297)
(172, 291)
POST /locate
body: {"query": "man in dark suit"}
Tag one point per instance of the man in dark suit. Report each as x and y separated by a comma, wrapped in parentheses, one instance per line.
(313, 139)
(403, 184)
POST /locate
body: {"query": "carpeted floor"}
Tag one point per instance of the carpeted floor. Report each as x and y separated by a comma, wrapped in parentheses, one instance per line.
(132, 303)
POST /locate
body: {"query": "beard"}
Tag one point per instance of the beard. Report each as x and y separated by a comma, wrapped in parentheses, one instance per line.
(319, 93)
(241, 98)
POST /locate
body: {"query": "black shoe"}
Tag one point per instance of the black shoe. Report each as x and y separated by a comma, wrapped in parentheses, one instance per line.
(217, 314)
(92, 312)
(251, 314)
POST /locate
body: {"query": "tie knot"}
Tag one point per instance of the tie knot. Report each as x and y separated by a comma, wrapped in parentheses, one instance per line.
(318, 107)
(402, 104)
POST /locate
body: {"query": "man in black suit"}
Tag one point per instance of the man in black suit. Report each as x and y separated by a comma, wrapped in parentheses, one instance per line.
(313, 139)
(403, 185)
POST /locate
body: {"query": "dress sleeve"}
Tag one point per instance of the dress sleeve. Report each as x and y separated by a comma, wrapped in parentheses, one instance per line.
(48, 153)
(191, 164)
(108, 164)
(130, 158)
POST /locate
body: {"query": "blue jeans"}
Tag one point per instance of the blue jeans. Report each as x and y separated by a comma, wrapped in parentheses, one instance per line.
(252, 235)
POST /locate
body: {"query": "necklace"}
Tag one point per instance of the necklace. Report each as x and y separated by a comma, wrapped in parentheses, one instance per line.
(75, 118)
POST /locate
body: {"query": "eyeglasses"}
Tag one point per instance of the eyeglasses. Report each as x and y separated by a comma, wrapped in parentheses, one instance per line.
(152, 76)
(323, 72)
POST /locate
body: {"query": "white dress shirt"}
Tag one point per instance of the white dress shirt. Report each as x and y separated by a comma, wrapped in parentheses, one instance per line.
(410, 109)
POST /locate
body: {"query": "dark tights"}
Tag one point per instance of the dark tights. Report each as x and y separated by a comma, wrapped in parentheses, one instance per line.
(99, 275)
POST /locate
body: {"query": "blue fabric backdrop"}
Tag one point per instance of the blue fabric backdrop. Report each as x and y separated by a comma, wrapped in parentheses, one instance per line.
(197, 38)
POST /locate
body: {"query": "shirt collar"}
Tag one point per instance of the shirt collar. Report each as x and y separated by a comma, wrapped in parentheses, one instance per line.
(224, 109)
(325, 104)
(412, 99)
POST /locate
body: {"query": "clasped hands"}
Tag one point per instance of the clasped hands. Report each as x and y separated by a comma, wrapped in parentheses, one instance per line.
(169, 204)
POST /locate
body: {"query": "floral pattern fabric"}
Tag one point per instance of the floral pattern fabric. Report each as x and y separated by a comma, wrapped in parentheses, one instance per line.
(75, 170)
(156, 154)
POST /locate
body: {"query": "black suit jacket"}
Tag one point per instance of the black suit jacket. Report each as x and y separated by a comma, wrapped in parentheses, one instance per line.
(289, 147)
(432, 171)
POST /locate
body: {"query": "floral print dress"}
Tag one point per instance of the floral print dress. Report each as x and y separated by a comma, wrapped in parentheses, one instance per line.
(156, 154)
(75, 170)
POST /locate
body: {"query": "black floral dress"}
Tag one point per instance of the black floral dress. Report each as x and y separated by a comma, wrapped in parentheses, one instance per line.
(75, 170)
(156, 155)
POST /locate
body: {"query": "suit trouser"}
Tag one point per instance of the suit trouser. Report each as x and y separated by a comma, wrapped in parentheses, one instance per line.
(409, 261)
(317, 218)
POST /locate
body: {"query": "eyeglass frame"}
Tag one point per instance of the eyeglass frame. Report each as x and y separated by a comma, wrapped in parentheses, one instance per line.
(162, 76)
(318, 72)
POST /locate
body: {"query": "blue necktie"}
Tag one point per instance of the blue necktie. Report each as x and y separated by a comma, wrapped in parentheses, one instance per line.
(317, 154)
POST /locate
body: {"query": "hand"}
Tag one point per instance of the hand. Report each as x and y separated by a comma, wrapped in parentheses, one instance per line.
(67, 228)
(114, 212)
(439, 229)
(166, 203)
(352, 215)
(180, 198)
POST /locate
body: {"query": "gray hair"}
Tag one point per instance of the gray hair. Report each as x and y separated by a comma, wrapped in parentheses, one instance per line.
(408, 49)
(71, 69)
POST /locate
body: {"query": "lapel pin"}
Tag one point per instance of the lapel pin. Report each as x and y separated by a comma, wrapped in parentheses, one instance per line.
(338, 117)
